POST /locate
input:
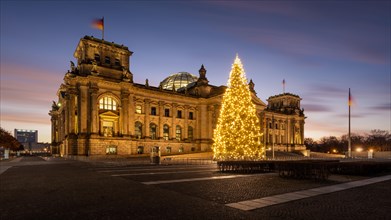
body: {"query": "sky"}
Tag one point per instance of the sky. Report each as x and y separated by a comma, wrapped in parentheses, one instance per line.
(320, 48)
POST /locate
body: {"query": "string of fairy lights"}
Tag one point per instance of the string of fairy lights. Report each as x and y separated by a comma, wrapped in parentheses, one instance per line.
(238, 133)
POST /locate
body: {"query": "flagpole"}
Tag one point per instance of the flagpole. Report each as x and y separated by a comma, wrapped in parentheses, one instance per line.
(103, 28)
(273, 135)
(349, 140)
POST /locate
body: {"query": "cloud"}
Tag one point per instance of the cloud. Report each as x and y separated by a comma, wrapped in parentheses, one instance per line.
(274, 8)
(30, 118)
(382, 107)
(26, 93)
(352, 115)
(316, 108)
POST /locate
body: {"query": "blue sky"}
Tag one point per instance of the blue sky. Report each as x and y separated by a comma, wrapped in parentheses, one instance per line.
(321, 48)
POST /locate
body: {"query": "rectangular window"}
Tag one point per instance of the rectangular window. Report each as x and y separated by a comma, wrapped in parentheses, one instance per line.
(97, 58)
(168, 150)
(191, 115)
(108, 128)
(138, 109)
(153, 110)
(112, 149)
(270, 125)
(179, 114)
(140, 150)
(276, 126)
(181, 150)
(107, 60)
(117, 63)
(167, 112)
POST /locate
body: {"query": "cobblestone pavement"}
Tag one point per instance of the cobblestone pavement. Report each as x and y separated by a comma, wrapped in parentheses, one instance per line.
(54, 188)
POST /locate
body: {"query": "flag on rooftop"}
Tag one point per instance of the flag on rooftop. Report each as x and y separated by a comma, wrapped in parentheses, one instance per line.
(98, 23)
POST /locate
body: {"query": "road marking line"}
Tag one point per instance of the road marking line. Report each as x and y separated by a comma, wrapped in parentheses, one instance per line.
(197, 179)
(170, 172)
(4, 168)
(130, 169)
(251, 204)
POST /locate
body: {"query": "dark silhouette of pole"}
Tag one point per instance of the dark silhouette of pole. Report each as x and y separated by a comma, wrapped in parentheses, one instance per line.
(349, 139)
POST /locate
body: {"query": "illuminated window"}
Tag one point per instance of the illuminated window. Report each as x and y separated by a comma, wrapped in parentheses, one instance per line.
(138, 109)
(152, 131)
(190, 115)
(112, 149)
(181, 150)
(166, 131)
(167, 112)
(179, 114)
(108, 128)
(140, 150)
(107, 103)
(138, 129)
(190, 133)
(178, 133)
(153, 110)
(168, 150)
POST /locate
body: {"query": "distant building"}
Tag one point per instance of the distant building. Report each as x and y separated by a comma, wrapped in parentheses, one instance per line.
(26, 136)
(101, 111)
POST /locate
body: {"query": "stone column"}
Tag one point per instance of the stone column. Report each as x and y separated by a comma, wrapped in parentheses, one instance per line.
(66, 110)
(131, 113)
(83, 114)
(173, 125)
(125, 112)
(93, 110)
(147, 105)
(161, 117)
(186, 125)
(71, 111)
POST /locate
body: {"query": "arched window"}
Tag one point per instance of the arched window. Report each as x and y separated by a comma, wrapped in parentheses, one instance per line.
(178, 133)
(138, 130)
(152, 131)
(97, 57)
(107, 103)
(166, 131)
(190, 133)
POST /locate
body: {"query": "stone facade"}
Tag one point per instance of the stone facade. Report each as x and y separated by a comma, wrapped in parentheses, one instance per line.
(101, 111)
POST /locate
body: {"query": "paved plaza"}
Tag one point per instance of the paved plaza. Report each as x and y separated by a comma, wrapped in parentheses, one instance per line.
(57, 188)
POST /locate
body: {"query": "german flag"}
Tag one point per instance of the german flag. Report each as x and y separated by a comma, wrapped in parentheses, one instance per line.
(98, 23)
(351, 101)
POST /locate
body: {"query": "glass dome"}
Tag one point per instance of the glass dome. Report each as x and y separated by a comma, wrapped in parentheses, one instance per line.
(179, 80)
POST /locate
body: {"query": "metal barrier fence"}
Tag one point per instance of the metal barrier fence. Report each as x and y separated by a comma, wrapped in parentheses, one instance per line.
(187, 161)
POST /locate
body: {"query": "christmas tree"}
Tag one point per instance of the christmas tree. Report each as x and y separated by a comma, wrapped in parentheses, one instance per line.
(237, 135)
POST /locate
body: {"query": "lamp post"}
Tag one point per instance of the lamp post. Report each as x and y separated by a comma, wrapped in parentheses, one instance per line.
(273, 135)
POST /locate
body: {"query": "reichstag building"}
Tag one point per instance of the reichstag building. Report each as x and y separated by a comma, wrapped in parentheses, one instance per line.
(101, 111)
